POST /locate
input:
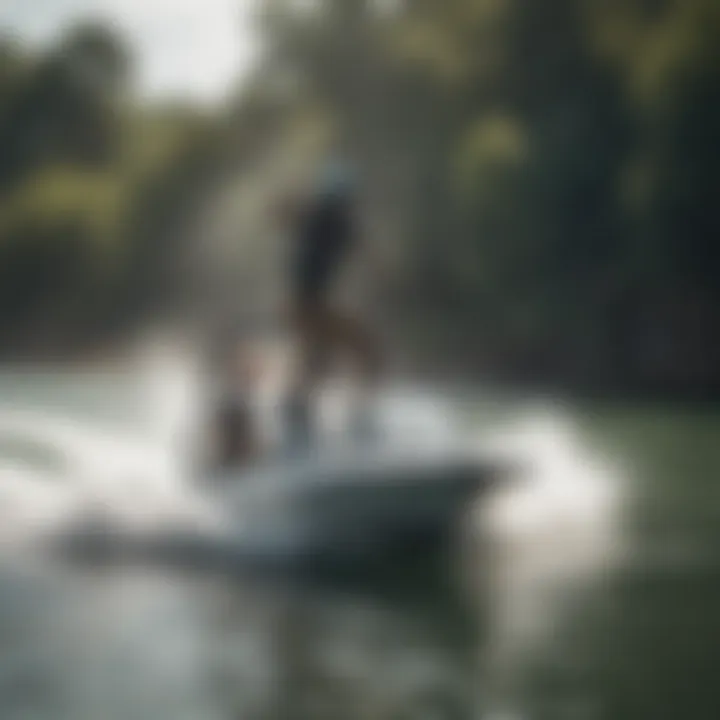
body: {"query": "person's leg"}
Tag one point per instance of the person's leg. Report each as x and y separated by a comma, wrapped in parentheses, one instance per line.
(349, 334)
(320, 331)
(312, 354)
(314, 344)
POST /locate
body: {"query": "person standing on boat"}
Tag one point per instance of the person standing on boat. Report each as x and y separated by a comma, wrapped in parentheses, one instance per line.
(324, 237)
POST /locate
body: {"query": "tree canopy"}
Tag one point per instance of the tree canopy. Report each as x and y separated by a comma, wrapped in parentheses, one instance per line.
(539, 176)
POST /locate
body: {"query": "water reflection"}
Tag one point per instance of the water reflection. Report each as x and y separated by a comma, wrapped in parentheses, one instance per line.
(125, 645)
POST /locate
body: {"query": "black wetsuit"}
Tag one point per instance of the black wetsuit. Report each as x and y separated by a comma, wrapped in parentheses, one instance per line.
(323, 240)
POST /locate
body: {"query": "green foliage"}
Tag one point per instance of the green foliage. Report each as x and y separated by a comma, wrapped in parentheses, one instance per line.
(92, 191)
(544, 174)
(57, 242)
(551, 167)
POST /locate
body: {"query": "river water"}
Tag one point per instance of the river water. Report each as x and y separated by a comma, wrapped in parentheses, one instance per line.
(598, 576)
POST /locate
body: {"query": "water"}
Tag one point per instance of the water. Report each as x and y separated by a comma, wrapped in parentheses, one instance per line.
(592, 586)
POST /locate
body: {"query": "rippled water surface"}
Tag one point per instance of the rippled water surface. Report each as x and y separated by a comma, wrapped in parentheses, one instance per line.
(592, 589)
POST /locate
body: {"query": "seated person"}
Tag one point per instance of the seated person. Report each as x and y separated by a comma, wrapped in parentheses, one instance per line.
(235, 437)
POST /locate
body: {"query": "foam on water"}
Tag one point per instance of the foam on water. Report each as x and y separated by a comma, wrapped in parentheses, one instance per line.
(568, 491)
(57, 464)
(551, 531)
